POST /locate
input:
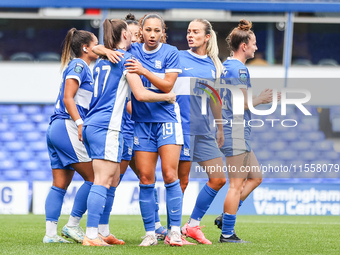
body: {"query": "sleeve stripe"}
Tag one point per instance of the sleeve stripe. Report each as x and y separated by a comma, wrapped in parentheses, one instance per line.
(241, 86)
(173, 70)
(74, 77)
(125, 72)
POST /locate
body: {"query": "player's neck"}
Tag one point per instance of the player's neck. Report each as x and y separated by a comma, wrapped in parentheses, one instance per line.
(87, 60)
(122, 46)
(240, 57)
(199, 51)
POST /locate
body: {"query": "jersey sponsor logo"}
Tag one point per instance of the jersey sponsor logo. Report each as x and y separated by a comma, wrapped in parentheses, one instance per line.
(78, 68)
(243, 74)
(158, 64)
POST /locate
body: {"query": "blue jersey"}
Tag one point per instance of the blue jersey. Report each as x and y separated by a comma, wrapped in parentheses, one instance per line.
(237, 75)
(198, 71)
(79, 70)
(127, 126)
(110, 94)
(164, 59)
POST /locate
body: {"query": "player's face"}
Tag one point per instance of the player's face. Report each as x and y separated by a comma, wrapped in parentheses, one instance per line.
(134, 32)
(196, 36)
(152, 32)
(251, 47)
(93, 43)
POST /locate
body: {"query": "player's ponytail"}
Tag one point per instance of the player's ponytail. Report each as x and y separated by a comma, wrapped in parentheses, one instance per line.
(74, 41)
(112, 32)
(240, 34)
(212, 48)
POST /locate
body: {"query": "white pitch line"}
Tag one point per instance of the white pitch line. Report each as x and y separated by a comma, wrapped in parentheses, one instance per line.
(289, 222)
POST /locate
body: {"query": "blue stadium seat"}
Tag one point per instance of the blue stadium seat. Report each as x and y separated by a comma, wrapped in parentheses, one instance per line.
(43, 156)
(9, 109)
(48, 109)
(256, 146)
(286, 155)
(42, 127)
(31, 109)
(304, 127)
(301, 145)
(33, 136)
(24, 127)
(3, 155)
(308, 155)
(49, 56)
(37, 118)
(39, 176)
(290, 136)
(17, 118)
(13, 175)
(23, 155)
(8, 136)
(7, 164)
(14, 146)
(313, 136)
(277, 146)
(325, 145)
(31, 165)
(37, 146)
(77, 177)
(268, 136)
(331, 155)
(263, 155)
(312, 121)
(22, 56)
(336, 124)
(3, 127)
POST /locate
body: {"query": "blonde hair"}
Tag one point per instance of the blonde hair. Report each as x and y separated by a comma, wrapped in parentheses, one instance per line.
(212, 48)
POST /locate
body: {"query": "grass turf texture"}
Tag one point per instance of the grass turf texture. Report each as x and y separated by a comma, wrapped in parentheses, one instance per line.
(268, 234)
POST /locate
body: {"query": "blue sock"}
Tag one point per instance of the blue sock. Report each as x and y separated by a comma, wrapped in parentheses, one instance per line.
(228, 224)
(157, 219)
(239, 205)
(108, 206)
(147, 205)
(80, 201)
(54, 202)
(203, 202)
(174, 201)
(95, 205)
(120, 178)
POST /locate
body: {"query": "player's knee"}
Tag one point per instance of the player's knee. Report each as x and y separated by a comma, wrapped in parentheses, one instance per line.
(169, 176)
(258, 181)
(217, 183)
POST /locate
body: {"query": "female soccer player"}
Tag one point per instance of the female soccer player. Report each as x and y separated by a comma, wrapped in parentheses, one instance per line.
(158, 130)
(102, 136)
(64, 135)
(236, 147)
(158, 64)
(127, 132)
(201, 66)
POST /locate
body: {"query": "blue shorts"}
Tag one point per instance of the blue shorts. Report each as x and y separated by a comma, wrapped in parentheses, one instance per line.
(103, 143)
(150, 136)
(203, 148)
(185, 152)
(63, 145)
(234, 147)
(128, 151)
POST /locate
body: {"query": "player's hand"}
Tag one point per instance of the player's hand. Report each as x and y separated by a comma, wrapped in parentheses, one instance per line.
(172, 98)
(278, 96)
(114, 56)
(134, 66)
(219, 137)
(80, 132)
(266, 96)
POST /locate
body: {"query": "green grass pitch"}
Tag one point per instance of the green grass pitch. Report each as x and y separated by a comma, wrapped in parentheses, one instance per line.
(23, 234)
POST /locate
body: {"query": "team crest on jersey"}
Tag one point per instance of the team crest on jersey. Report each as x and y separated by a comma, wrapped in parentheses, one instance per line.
(158, 64)
(243, 75)
(78, 68)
